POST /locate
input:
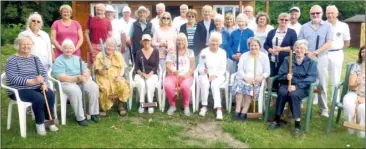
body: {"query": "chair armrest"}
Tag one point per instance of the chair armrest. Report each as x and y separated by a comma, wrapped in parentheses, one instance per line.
(131, 74)
(313, 86)
(339, 85)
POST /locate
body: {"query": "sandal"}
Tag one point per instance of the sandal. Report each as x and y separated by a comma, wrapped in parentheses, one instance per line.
(103, 114)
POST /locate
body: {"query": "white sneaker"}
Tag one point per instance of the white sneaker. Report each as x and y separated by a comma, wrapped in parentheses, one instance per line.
(171, 110)
(219, 115)
(151, 110)
(325, 114)
(361, 134)
(141, 110)
(41, 129)
(203, 111)
(187, 112)
(53, 128)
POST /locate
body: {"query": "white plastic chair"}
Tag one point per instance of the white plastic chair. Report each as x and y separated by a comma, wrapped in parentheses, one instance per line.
(133, 85)
(192, 88)
(22, 106)
(260, 96)
(223, 86)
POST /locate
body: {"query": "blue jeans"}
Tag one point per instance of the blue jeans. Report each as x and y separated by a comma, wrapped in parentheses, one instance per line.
(35, 96)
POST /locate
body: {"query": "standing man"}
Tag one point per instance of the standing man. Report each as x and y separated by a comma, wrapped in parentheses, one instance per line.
(160, 8)
(310, 31)
(294, 23)
(248, 10)
(126, 22)
(118, 32)
(180, 20)
(97, 27)
(341, 41)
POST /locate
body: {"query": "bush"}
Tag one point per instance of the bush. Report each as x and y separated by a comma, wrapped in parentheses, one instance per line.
(10, 32)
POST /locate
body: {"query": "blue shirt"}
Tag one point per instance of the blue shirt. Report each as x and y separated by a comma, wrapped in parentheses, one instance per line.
(226, 40)
(67, 65)
(239, 37)
(310, 34)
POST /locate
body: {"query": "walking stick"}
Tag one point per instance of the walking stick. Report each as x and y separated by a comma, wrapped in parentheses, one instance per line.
(177, 79)
(276, 58)
(290, 67)
(146, 105)
(254, 114)
(208, 76)
(131, 55)
(51, 121)
(87, 116)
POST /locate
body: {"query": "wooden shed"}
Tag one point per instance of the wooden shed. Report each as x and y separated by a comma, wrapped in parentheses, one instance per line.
(357, 30)
(82, 9)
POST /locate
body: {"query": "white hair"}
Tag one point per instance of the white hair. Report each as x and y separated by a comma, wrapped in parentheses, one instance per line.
(316, 6)
(301, 42)
(249, 7)
(216, 35)
(110, 41)
(20, 39)
(34, 15)
(162, 5)
(219, 17)
(286, 15)
(183, 6)
(244, 17)
(68, 42)
(332, 6)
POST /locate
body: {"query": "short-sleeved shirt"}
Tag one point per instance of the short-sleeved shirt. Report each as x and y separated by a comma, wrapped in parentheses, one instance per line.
(356, 70)
(117, 30)
(296, 27)
(66, 32)
(99, 28)
(310, 34)
(69, 65)
(340, 34)
(184, 61)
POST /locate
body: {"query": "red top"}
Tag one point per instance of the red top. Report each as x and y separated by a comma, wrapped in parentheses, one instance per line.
(99, 28)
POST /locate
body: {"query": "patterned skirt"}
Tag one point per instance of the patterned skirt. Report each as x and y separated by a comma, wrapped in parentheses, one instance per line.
(241, 87)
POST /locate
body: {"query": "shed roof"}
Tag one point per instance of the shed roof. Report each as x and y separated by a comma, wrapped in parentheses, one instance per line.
(356, 18)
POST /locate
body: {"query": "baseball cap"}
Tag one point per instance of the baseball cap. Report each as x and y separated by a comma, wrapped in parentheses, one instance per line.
(126, 9)
(146, 37)
(109, 8)
(296, 9)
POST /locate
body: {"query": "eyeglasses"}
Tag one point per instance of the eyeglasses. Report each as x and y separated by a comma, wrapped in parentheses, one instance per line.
(284, 20)
(166, 18)
(313, 13)
(190, 16)
(34, 21)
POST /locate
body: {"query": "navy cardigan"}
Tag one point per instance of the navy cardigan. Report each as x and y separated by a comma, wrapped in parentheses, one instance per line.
(200, 40)
(289, 40)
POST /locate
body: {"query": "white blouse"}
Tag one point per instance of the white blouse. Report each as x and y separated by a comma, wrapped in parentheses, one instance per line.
(184, 61)
(215, 62)
(246, 66)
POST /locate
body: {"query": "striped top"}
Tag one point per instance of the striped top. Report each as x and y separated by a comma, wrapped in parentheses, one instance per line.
(190, 33)
(21, 69)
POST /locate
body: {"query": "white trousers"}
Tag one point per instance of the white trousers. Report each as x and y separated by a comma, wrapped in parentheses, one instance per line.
(151, 84)
(349, 102)
(126, 57)
(335, 68)
(322, 67)
(215, 88)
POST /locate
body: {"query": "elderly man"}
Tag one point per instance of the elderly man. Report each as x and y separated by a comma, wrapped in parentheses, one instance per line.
(98, 27)
(126, 22)
(140, 27)
(118, 32)
(180, 20)
(304, 73)
(294, 23)
(160, 8)
(341, 41)
(314, 30)
(248, 10)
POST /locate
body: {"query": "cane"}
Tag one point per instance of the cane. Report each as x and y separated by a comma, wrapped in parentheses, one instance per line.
(145, 105)
(208, 76)
(51, 121)
(277, 58)
(254, 114)
(177, 79)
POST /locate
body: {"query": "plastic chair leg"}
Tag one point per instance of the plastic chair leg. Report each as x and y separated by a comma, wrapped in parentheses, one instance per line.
(22, 121)
(339, 115)
(63, 109)
(193, 97)
(10, 110)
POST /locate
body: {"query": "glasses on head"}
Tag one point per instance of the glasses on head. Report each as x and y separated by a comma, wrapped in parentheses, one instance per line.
(36, 21)
(165, 18)
(190, 17)
(313, 13)
(284, 20)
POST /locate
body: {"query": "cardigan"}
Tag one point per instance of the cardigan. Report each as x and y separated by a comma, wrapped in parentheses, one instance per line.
(245, 68)
(151, 64)
(200, 41)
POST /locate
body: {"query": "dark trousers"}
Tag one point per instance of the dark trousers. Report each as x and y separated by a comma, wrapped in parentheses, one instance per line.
(35, 96)
(293, 98)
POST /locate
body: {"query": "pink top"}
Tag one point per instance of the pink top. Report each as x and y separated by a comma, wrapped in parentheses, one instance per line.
(63, 32)
(169, 35)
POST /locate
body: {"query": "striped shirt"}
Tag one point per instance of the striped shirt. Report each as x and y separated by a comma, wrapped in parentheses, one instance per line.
(190, 33)
(21, 69)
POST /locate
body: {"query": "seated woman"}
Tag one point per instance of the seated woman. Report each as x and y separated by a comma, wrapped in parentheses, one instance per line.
(245, 79)
(146, 67)
(67, 69)
(110, 80)
(303, 73)
(212, 68)
(355, 100)
(183, 77)
(21, 74)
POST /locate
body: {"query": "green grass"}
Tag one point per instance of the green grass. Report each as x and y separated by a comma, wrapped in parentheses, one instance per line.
(161, 130)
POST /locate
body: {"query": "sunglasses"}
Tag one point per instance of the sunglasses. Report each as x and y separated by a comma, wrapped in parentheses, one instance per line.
(313, 13)
(284, 20)
(166, 18)
(34, 21)
(190, 17)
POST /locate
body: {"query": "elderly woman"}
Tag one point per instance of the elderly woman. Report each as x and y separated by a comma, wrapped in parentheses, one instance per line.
(253, 67)
(285, 39)
(146, 67)
(41, 41)
(239, 41)
(230, 25)
(204, 29)
(21, 74)
(68, 71)
(164, 38)
(109, 75)
(226, 39)
(212, 68)
(66, 28)
(189, 29)
(262, 28)
(184, 74)
(304, 73)
(354, 101)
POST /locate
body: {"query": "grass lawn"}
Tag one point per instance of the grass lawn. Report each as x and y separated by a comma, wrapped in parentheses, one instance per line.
(177, 131)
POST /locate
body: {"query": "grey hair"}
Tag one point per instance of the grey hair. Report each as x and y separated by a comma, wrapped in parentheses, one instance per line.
(20, 38)
(219, 17)
(286, 15)
(334, 7)
(68, 42)
(301, 42)
(34, 15)
(317, 6)
(253, 39)
(160, 5)
(183, 6)
(244, 17)
(111, 41)
(216, 35)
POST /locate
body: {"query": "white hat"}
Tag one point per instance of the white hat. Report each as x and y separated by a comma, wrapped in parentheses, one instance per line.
(295, 8)
(126, 9)
(146, 37)
(109, 8)
(142, 8)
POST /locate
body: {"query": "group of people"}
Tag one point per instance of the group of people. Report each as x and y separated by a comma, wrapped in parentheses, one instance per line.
(246, 45)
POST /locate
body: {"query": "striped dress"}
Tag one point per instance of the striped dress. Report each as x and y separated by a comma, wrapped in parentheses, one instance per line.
(21, 69)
